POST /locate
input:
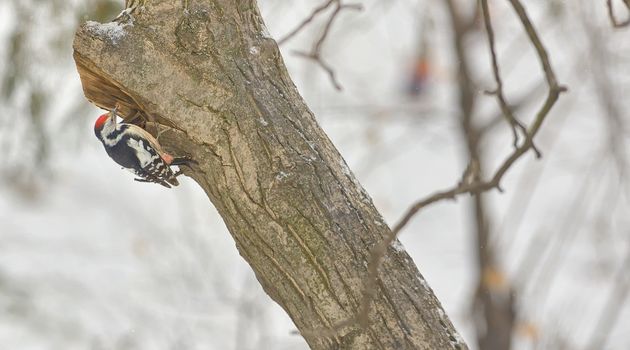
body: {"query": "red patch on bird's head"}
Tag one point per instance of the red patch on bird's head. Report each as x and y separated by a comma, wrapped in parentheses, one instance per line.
(100, 121)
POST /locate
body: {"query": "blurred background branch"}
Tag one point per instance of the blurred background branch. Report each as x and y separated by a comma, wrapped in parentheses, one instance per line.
(613, 18)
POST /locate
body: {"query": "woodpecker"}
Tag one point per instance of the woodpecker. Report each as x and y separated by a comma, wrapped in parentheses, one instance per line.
(137, 151)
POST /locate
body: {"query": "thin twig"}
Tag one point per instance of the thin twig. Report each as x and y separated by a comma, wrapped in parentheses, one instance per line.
(515, 124)
(315, 53)
(305, 22)
(317, 58)
(496, 119)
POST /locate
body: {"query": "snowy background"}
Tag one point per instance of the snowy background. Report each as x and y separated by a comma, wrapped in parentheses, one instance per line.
(90, 259)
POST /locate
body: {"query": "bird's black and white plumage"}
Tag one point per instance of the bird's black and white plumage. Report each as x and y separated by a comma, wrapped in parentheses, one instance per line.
(137, 151)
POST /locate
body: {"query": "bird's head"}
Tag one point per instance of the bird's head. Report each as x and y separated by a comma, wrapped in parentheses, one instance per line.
(103, 120)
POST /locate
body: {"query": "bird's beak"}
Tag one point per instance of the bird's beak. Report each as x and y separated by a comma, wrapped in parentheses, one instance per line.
(113, 114)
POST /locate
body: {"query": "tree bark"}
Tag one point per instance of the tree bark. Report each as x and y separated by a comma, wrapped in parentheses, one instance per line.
(214, 79)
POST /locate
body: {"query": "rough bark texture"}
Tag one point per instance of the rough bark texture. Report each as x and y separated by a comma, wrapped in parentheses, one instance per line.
(296, 212)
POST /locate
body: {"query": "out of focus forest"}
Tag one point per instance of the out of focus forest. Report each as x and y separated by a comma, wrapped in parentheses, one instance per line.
(90, 259)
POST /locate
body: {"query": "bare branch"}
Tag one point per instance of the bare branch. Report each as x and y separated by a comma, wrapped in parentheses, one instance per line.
(552, 97)
(554, 88)
(515, 124)
(305, 22)
(316, 50)
(317, 58)
(475, 186)
(520, 103)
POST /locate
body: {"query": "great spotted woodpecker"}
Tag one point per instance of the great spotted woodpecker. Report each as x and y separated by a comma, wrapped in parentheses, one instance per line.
(137, 151)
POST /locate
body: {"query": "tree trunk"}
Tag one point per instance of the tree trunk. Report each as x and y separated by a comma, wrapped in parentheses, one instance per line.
(214, 79)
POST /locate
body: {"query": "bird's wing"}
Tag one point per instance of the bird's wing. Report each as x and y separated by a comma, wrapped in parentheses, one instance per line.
(152, 166)
(143, 134)
(145, 153)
